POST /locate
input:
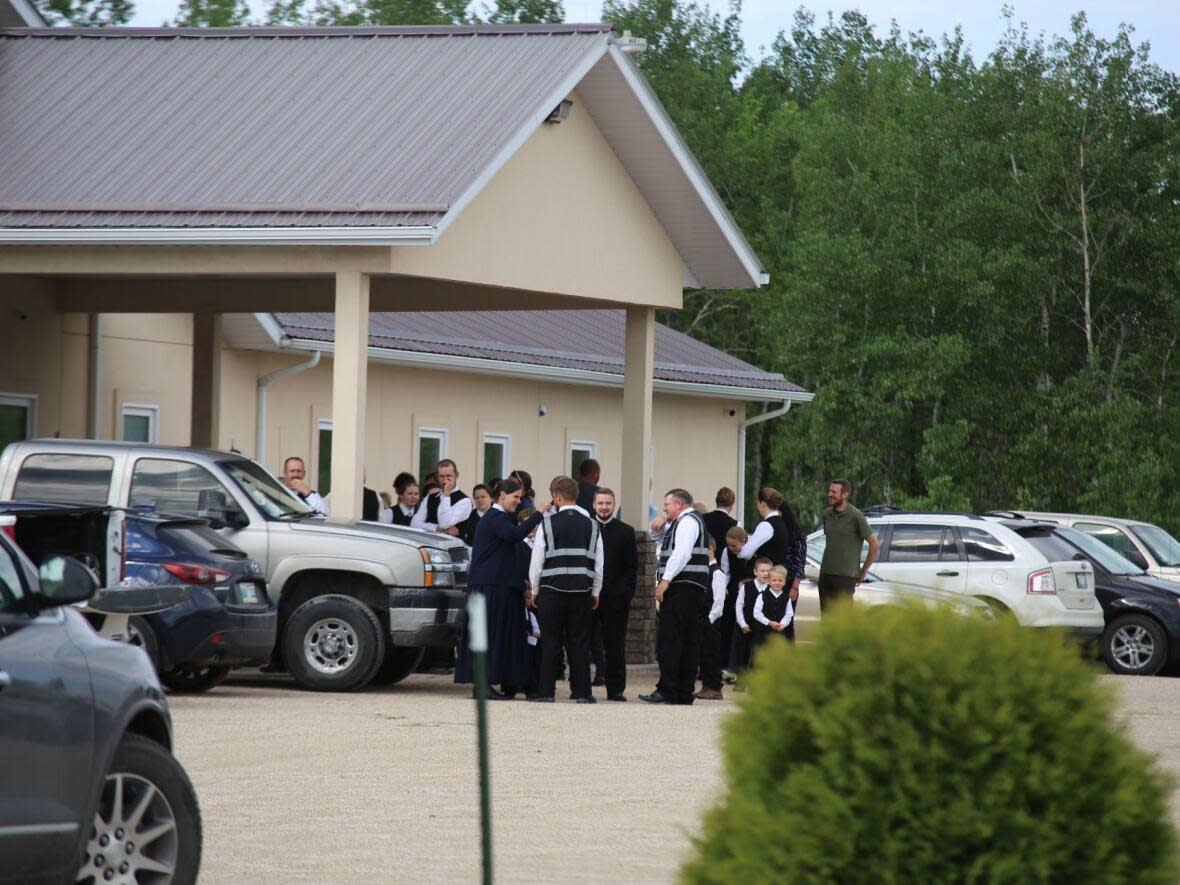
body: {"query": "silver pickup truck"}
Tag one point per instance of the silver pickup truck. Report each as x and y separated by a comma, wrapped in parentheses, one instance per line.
(357, 603)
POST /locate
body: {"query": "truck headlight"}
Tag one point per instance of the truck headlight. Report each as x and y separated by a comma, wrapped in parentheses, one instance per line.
(436, 568)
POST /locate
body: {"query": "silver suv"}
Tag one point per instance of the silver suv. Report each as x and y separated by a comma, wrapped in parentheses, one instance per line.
(357, 603)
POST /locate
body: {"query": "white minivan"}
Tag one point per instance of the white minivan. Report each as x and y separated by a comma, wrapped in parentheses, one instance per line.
(976, 556)
(1150, 547)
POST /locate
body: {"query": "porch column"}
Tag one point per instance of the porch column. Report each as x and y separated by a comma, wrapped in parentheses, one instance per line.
(639, 364)
(349, 375)
(206, 406)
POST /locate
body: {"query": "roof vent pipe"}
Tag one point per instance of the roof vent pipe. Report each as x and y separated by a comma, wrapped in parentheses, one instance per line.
(628, 44)
(260, 411)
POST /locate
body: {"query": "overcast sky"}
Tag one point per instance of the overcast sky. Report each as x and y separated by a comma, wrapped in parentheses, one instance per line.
(1155, 21)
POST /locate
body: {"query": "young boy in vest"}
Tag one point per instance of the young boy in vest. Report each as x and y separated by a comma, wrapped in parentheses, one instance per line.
(743, 611)
(710, 674)
(737, 571)
(774, 612)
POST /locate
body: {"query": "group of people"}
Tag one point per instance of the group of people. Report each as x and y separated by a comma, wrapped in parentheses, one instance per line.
(558, 580)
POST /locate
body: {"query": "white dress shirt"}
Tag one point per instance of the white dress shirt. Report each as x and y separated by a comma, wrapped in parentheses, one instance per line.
(385, 515)
(315, 501)
(719, 587)
(449, 515)
(788, 616)
(406, 511)
(740, 603)
(537, 562)
(685, 541)
(763, 532)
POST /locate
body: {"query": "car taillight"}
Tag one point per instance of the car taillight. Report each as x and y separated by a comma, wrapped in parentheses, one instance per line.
(9, 530)
(190, 573)
(1042, 582)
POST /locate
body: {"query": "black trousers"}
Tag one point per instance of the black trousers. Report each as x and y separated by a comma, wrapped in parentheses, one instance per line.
(725, 627)
(565, 615)
(597, 645)
(678, 641)
(710, 651)
(834, 588)
(611, 616)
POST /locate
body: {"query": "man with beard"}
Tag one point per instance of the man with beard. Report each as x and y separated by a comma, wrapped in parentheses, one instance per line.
(446, 509)
(620, 570)
(845, 532)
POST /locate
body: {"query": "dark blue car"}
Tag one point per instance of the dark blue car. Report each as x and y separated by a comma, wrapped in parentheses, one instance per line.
(228, 621)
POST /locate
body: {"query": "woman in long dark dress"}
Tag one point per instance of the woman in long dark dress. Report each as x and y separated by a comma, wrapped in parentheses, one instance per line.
(494, 574)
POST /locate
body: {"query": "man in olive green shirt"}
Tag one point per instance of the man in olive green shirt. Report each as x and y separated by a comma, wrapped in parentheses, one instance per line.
(845, 532)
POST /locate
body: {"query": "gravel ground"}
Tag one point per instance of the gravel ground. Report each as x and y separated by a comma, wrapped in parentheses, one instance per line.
(381, 786)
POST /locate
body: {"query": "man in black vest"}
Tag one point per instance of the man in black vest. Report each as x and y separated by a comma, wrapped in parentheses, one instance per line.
(565, 573)
(719, 520)
(683, 592)
(620, 569)
(444, 510)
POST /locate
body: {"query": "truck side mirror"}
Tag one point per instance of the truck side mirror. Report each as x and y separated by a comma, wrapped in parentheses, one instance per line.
(1138, 558)
(213, 506)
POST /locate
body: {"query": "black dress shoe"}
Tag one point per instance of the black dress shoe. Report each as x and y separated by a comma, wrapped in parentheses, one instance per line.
(655, 698)
(598, 681)
(589, 700)
(494, 695)
(541, 700)
(616, 697)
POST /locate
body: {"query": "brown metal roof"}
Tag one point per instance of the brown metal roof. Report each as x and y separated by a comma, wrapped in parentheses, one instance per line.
(266, 127)
(587, 340)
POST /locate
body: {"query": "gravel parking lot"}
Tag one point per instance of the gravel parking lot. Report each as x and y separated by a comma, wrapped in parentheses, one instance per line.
(381, 786)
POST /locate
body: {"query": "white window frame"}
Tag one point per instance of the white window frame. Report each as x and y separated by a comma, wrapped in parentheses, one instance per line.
(141, 410)
(504, 440)
(321, 425)
(586, 445)
(438, 433)
(29, 402)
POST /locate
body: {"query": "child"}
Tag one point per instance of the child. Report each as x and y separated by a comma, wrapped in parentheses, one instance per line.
(737, 570)
(775, 611)
(743, 610)
(533, 628)
(710, 670)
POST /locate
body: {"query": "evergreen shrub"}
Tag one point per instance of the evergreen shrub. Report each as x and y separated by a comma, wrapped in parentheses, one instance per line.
(916, 746)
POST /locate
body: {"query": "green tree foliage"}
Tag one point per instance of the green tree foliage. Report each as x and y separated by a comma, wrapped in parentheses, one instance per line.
(524, 12)
(212, 14)
(86, 13)
(367, 12)
(915, 745)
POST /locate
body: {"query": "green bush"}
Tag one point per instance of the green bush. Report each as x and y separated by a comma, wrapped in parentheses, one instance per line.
(915, 746)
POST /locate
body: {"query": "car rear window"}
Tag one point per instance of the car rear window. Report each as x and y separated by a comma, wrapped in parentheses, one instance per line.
(64, 479)
(1051, 547)
(984, 546)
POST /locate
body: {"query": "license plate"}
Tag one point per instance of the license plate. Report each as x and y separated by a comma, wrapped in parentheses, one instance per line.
(248, 594)
(1081, 581)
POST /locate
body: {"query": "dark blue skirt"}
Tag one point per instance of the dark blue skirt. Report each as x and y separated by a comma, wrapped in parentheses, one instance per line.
(508, 649)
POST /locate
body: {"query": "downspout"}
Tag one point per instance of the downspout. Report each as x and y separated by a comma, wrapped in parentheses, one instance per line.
(750, 422)
(260, 411)
(95, 375)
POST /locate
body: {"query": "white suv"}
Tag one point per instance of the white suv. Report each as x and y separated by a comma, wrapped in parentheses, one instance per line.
(974, 555)
(1148, 546)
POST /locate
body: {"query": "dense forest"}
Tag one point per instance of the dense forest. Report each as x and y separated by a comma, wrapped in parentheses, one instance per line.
(974, 261)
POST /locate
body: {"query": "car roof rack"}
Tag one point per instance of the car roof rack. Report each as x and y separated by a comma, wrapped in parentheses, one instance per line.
(892, 510)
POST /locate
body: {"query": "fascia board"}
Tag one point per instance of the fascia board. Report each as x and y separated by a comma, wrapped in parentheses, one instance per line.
(29, 14)
(216, 236)
(532, 372)
(514, 144)
(689, 165)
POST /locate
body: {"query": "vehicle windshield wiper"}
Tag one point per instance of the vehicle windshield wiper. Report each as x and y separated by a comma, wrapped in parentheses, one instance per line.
(295, 514)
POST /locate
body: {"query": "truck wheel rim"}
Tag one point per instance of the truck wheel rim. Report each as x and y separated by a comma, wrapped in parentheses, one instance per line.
(330, 646)
(1132, 646)
(134, 837)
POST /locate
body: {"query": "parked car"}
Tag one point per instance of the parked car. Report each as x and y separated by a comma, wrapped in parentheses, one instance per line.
(1148, 546)
(89, 788)
(1142, 612)
(356, 603)
(875, 591)
(967, 554)
(227, 621)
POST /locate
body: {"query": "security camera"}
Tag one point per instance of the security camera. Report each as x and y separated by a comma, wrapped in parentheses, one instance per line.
(21, 315)
(540, 411)
(731, 412)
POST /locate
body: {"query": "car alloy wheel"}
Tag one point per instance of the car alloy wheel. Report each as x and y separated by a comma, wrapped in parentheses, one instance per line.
(1135, 645)
(330, 646)
(1132, 646)
(134, 838)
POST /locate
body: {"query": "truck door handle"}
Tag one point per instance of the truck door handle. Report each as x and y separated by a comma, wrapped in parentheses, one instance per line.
(5, 680)
(948, 574)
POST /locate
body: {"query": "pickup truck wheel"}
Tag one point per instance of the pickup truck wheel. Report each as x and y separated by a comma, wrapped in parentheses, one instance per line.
(399, 663)
(148, 826)
(141, 634)
(333, 643)
(1135, 645)
(194, 680)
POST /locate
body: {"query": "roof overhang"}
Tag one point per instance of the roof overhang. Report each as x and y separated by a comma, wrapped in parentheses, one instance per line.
(221, 236)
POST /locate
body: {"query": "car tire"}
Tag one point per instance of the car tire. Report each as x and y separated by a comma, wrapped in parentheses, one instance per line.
(1135, 645)
(333, 643)
(194, 680)
(399, 663)
(141, 634)
(144, 791)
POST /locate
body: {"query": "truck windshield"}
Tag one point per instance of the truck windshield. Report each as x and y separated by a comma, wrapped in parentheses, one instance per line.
(1113, 562)
(1162, 545)
(267, 493)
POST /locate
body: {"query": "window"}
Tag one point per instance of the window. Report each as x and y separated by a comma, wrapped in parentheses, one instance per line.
(1053, 548)
(177, 488)
(579, 452)
(17, 418)
(915, 543)
(1112, 537)
(983, 547)
(64, 479)
(324, 460)
(140, 423)
(495, 456)
(818, 542)
(432, 448)
(1163, 546)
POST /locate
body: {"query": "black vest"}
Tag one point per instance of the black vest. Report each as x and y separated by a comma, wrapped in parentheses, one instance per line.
(776, 548)
(774, 609)
(697, 570)
(434, 500)
(748, 603)
(571, 544)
